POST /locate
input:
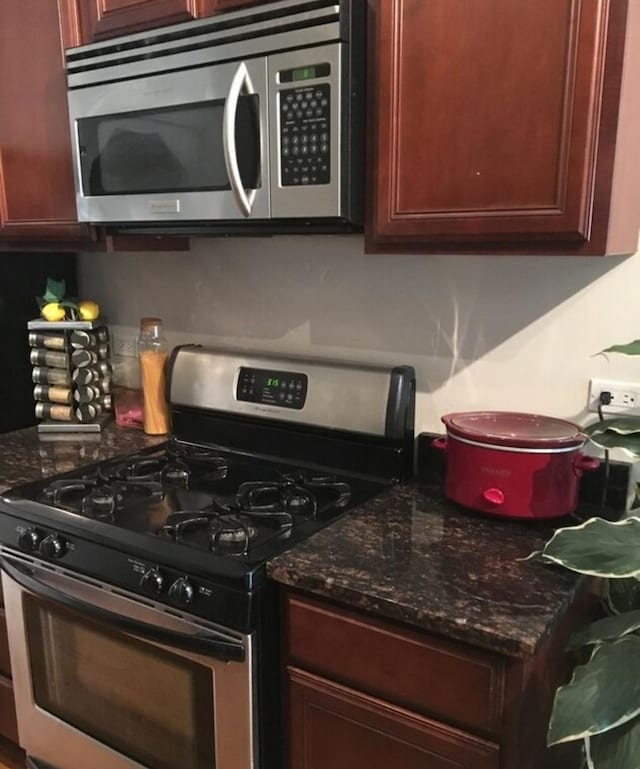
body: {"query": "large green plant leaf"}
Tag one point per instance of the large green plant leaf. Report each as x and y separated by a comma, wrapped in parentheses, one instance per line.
(603, 693)
(631, 348)
(618, 432)
(623, 595)
(597, 547)
(618, 748)
(606, 629)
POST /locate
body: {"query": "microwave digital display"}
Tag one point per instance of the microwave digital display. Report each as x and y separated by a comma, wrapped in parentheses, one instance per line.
(310, 72)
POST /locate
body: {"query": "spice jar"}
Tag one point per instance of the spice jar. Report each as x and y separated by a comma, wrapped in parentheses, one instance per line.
(153, 353)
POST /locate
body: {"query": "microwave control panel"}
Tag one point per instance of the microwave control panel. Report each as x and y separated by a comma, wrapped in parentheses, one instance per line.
(305, 151)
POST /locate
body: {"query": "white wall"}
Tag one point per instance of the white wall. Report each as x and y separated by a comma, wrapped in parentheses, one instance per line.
(490, 332)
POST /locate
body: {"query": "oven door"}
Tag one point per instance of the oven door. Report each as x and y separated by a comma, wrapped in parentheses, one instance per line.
(102, 680)
(180, 146)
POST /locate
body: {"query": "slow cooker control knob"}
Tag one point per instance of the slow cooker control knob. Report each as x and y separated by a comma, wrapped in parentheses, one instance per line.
(182, 592)
(53, 546)
(152, 582)
(495, 496)
(29, 540)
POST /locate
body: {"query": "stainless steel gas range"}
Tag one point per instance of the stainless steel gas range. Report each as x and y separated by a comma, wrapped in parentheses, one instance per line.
(143, 632)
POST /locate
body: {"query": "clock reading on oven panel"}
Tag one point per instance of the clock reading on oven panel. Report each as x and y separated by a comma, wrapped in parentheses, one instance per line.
(287, 389)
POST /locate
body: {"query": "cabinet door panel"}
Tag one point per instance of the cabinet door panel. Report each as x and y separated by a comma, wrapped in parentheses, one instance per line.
(37, 196)
(488, 116)
(8, 725)
(99, 19)
(5, 663)
(332, 726)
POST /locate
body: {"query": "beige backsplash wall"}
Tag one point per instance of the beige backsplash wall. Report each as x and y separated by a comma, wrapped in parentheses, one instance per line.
(482, 331)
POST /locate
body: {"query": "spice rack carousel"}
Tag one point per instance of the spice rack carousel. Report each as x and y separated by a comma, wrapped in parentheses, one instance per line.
(71, 374)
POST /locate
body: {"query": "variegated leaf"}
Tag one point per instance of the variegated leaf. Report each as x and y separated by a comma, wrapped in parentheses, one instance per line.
(631, 348)
(618, 748)
(597, 547)
(602, 694)
(606, 629)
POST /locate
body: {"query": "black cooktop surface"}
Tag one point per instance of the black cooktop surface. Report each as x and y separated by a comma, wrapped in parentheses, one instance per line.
(237, 508)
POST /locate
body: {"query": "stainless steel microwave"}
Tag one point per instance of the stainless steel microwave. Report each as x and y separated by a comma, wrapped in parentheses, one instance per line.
(248, 121)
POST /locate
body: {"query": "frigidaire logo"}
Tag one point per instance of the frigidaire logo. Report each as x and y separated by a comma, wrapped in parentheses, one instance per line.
(501, 472)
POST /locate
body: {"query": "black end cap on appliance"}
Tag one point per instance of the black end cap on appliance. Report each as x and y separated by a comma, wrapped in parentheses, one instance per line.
(401, 403)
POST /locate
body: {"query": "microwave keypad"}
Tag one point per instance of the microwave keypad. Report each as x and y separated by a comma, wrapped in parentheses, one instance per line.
(304, 135)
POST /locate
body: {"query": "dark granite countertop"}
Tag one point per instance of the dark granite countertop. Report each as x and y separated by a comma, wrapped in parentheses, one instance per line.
(410, 555)
(26, 455)
(407, 555)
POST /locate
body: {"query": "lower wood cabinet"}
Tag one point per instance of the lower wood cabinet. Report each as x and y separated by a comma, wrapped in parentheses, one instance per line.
(8, 725)
(365, 693)
(334, 726)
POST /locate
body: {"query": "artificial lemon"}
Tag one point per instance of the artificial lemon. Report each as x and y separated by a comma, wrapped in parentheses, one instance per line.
(88, 310)
(52, 311)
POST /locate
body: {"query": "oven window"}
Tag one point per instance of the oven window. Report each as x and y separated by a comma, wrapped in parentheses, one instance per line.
(150, 705)
(169, 150)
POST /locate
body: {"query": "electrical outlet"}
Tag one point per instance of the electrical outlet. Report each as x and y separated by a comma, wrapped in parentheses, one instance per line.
(625, 396)
(123, 346)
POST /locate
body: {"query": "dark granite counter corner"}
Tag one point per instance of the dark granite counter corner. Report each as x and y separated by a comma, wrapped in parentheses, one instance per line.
(26, 455)
(412, 556)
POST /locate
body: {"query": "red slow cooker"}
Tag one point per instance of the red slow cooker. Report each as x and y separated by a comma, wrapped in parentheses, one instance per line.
(513, 464)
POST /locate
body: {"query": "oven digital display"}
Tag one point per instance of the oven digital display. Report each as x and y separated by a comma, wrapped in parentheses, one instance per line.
(275, 388)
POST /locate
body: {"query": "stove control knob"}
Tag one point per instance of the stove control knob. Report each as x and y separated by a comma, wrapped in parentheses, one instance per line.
(29, 540)
(152, 582)
(182, 592)
(53, 546)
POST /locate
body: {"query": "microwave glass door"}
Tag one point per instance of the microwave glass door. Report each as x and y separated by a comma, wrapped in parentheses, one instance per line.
(148, 704)
(168, 149)
(177, 146)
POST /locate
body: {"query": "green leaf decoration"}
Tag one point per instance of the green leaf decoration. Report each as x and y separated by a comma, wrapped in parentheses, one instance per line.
(631, 348)
(606, 629)
(602, 694)
(55, 290)
(597, 547)
(618, 748)
(623, 595)
(619, 425)
(617, 433)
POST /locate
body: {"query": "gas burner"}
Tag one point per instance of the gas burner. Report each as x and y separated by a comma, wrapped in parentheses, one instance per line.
(330, 485)
(207, 460)
(97, 499)
(230, 534)
(226, 531)
(176, 467)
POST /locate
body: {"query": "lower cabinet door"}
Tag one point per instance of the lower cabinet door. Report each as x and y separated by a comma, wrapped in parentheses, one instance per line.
(333, 726)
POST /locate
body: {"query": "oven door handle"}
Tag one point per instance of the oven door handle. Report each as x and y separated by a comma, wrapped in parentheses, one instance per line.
(241, 80)
(201, 643)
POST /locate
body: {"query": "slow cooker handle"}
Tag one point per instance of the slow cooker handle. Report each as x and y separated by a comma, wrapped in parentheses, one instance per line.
(583, 462)
(439, 443)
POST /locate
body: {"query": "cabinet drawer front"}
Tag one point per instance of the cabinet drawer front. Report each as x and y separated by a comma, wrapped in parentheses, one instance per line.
(447, 680)
(8, 725)
(365, 732)
(5, 665)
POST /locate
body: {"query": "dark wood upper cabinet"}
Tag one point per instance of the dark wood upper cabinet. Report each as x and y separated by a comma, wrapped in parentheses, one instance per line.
(101, 19)
(37, 197)
(504, 125)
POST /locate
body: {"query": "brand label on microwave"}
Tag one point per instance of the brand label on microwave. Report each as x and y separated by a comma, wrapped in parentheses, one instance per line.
(164, 206)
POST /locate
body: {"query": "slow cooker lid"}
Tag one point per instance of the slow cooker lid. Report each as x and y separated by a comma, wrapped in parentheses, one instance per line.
(510, 428)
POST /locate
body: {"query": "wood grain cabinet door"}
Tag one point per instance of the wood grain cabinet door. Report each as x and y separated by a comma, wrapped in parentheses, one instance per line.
(332, 726)
(100, 19)
(37, 196)
(495, 119)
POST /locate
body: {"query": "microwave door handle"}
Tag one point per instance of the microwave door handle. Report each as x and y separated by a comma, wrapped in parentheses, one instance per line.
(241, 80)
(201, 643)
